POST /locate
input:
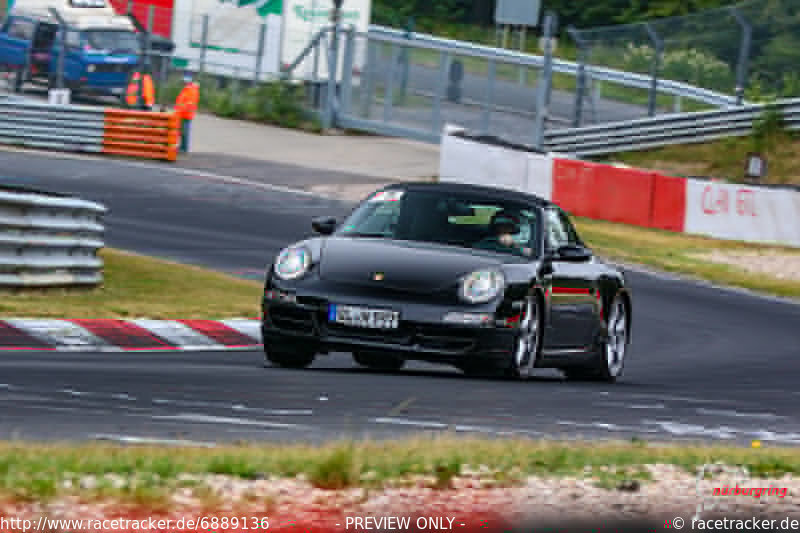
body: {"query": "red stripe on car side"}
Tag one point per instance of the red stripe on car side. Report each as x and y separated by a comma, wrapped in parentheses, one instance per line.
(571, 290)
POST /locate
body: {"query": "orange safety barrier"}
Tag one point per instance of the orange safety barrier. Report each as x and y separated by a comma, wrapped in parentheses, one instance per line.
(619, 194)
(143, 134)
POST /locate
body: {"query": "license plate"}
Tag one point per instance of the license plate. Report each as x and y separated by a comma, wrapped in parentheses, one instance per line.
(362, 317)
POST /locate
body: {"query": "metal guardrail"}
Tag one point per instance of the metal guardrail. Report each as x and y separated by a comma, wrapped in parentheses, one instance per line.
(663, 130)
(628, 79)
(63, 127)
(76, 128)
(49, 240)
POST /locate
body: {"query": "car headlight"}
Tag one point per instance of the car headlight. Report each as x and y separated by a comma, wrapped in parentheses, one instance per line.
(482, 286)
(293, 263)
(91, 68)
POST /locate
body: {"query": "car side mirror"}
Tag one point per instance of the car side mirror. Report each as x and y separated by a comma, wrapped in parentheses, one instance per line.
(324, 225)
(573, 253)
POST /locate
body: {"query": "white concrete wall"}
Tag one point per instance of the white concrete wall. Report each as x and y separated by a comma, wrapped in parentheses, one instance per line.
(740, 212)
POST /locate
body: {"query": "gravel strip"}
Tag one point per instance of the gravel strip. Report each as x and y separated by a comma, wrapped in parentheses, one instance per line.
(778, 264)
(654, 493)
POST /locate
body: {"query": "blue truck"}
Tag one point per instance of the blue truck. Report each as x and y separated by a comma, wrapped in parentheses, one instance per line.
(100, 48)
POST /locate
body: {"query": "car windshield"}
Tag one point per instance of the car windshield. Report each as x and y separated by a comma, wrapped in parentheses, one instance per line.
(113, 41)
(464, 220)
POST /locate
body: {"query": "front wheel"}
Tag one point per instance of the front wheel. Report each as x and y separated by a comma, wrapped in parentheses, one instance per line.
(528, 342)
(610, 360)
(287, 357)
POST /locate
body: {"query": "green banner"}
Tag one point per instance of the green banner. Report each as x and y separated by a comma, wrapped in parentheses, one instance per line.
(263, 7)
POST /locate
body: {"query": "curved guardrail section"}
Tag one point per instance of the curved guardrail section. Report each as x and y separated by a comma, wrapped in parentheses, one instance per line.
(663, 130)
(48, 240)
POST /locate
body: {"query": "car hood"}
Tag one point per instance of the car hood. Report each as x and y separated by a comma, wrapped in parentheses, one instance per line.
(407, 266)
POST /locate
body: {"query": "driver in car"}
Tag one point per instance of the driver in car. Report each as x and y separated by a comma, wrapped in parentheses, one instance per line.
(502, 228)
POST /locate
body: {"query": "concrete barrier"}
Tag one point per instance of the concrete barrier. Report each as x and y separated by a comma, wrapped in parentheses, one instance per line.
(626, 195)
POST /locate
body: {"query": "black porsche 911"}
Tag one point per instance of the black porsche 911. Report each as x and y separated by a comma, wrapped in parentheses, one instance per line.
(488, 280)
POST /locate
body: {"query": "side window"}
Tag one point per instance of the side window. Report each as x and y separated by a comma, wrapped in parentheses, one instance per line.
(569, 228)
(21, 29)
(559, 231)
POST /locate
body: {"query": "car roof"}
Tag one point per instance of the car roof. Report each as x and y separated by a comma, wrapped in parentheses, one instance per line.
(494, 193)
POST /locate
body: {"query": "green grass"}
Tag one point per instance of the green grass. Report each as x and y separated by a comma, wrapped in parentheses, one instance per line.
(682, 254)
(138, 286)
(38, 472)
(725, 158)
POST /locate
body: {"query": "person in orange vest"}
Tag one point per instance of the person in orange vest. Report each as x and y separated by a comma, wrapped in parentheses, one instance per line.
(141, 93)
(186, 107)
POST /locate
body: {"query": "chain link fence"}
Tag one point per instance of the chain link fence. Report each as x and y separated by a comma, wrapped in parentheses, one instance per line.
(749, 50)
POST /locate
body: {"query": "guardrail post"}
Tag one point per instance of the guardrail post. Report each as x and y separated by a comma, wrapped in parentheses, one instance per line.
(235, 87)
(744, 54)
(262, 38)
(487, 104)
(62, 51)
(62, 46)
(580, 81)
(368, 78)
(655, 65)
(203, 44)
(404, 61)
(438, 95)
(545, 81)
(347, 70)
(329, 114)
(523, 40)
(388, 89)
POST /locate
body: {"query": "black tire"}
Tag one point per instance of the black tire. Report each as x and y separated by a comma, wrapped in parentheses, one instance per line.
(378, 361)
(528, 344)
(288, 358)
(609, 361)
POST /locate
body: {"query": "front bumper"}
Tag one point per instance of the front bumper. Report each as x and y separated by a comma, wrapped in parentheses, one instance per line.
(306, 321)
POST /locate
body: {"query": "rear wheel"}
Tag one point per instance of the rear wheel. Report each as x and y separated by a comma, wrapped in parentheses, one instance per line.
(610, 360)
(378, 361)
(288, 356)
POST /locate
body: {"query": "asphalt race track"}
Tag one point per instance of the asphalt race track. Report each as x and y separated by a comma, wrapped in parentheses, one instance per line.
(705, 364)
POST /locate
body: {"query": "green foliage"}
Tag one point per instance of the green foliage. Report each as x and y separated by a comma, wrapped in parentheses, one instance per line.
(337, 470)
(277, 102)
(689, 65)
(766, 129)
(581, 14)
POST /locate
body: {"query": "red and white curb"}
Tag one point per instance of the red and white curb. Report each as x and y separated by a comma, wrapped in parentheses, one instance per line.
(129, 335)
